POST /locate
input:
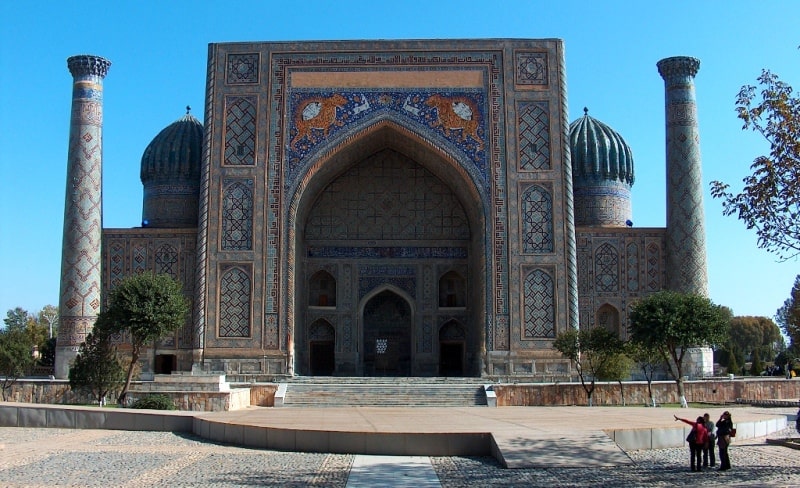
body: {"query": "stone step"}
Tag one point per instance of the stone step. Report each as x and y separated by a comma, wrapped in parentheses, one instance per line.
(349, 394)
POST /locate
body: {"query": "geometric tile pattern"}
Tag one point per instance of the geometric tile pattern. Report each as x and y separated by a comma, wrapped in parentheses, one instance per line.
(632, 275)
(534, 136)
(537, 223)
(237, 215)
(240, 131)
(531, 68)
(387, 197)
(234, 303)
(539, 304)
(654, 267)
(167, 261)
(79, 295)
(242, 68)
(686, 247)
(606, 269)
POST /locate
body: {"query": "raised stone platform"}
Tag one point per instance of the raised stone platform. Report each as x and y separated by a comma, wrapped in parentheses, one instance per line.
(519, 437)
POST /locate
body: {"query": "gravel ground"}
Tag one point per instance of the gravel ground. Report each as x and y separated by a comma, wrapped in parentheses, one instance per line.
(97, 458)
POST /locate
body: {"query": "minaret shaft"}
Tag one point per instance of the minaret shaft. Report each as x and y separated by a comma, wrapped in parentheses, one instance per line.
(686, 240)
(79, 298)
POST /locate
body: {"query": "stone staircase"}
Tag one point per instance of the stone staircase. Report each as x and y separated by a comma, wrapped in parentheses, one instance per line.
(383, 392)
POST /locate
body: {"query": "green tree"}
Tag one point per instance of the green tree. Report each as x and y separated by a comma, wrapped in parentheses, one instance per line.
(672, 323)
(648, 360)
(147, 306)
(751, 334)
(770, 199)
(756, 366)
(788, 316)
(589, 350)
(735, 360)
(96, 368)
(15, 356)
(617, 368)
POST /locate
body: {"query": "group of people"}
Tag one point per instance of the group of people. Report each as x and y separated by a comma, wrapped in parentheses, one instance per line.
(702, 437)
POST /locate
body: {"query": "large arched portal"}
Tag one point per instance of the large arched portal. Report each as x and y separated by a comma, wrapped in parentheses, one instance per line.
(386, 221)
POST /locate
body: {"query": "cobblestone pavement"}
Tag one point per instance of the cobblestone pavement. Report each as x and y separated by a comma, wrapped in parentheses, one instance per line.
(88, 458)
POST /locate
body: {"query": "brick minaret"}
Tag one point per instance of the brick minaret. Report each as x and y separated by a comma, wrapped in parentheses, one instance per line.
(686, 238)
(79, 299)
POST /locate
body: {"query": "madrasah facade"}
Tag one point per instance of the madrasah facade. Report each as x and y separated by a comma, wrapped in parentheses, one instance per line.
(383, 208)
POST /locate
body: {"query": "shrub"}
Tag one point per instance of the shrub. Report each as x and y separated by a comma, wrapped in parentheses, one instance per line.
(155, 402)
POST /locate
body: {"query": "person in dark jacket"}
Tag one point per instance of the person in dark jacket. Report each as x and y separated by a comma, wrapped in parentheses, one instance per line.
(724, 427)
(697, 439)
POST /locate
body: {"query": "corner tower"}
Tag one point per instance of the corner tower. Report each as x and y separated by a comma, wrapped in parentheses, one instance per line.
(685, 238)
(79, 298)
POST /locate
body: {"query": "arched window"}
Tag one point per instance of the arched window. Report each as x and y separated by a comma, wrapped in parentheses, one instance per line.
(606, 269)
(322, 290)
(608, 318)
(452, 290)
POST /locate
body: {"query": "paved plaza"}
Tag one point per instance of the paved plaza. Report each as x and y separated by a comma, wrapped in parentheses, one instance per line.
(35, 457)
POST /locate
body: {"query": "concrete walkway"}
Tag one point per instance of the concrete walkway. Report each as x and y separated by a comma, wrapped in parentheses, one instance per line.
(519, 437)
(396, 471)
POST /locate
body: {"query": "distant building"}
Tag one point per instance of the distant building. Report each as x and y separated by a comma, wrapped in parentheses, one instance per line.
(396, 208)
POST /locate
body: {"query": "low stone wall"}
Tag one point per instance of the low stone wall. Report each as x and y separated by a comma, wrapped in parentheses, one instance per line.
(262, 395)
(202, 401)
(636, 392)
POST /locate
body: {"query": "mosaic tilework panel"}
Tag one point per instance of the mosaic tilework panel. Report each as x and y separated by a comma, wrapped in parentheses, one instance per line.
(537, 223)
(237, 215)
(339, 252)
(242, 68)
(387, 196)
(531, 68)
(166, 260)
(501, 336)
(458, 117)
(539, 305)
(654, 265)
(234, 303)
(425, 344)
(632, 273)
(240, 131)
(347, 334)
(129, 251)
(606, 269)
(533, 121)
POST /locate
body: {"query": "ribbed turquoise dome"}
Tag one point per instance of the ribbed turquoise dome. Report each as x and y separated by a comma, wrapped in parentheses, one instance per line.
(602, 174)
(170, 173)
(599, 152)
(175, 153)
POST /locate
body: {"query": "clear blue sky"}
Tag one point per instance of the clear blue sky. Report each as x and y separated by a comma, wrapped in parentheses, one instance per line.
(159, 53)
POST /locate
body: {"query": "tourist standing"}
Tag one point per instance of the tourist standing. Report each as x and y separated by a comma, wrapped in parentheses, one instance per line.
(724, 428)
(697, 440)
(708, 448)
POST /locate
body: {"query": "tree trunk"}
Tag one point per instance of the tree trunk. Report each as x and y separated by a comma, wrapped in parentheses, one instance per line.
(134, 360)
(681, 393)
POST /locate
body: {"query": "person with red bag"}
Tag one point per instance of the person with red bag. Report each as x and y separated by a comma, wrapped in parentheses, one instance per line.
(697, 439)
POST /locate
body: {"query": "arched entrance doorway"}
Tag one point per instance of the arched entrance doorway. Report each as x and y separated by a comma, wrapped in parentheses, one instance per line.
(322, 349)
(383, 220)
(387, 327)
(452, 348)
